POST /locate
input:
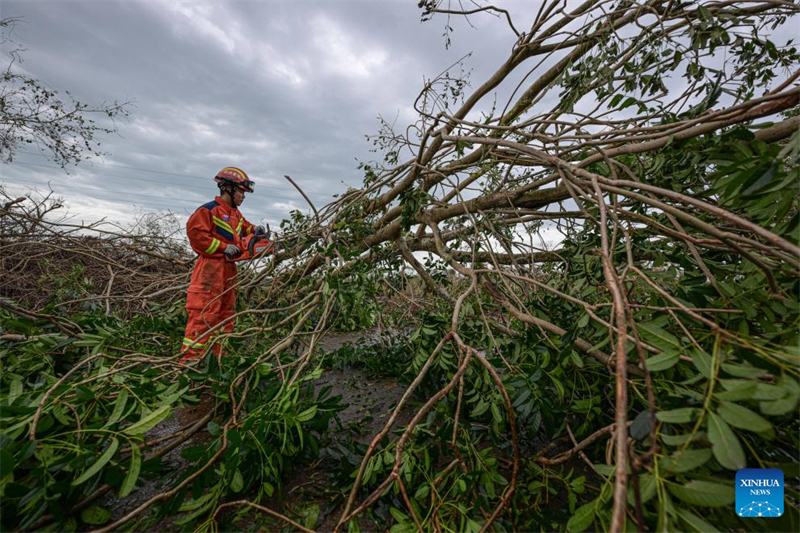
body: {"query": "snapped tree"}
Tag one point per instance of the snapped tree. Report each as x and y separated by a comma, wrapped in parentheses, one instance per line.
(652, 342)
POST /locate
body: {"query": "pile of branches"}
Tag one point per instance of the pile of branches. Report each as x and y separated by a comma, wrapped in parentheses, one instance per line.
(655, 338)
(51, 260)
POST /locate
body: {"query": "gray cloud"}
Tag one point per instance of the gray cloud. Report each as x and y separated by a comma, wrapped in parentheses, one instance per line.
(274, 87)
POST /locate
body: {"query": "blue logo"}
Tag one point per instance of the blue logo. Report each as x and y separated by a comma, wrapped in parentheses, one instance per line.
(759, 492)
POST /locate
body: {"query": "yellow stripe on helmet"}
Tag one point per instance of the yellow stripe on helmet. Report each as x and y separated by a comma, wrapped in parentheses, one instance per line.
(235, 170)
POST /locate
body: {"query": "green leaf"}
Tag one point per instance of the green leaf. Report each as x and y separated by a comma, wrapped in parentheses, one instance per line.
(213, 499)
(694, 522)
(768, 392)
(310, 515)
(583, 517)
(678, 416)
(702, 361)
(401, 527)
(472, 526)
(496, 415)
(779, 407)
(647, 489)
(628, 102)
(663, 361)
(195, 504)
(308, 414)
(119, 408)
(737, 390)
(129, 483)
(727, 449)
(658, 337)
(15, 390)
(481, 408)
(687, 461)
(95, 515)
(763, 181)
(60, 415)
(99, 464)
(399, 515)
(787, 402)
(6, 462)
(173, 397)
(641, 425)
(742, 417)
(148, 422)
(742, 371)
(704, 493)
(237, 484)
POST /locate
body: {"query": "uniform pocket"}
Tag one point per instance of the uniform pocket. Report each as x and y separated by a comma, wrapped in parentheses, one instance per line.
(197, 296)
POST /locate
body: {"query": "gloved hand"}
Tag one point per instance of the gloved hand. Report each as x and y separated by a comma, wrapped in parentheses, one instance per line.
(232, 251)
(261, 230)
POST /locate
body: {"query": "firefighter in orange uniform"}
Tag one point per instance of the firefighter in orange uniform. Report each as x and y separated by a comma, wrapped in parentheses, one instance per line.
(215, 232)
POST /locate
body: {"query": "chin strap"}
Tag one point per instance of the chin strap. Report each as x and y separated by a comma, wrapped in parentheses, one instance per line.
(229, 190)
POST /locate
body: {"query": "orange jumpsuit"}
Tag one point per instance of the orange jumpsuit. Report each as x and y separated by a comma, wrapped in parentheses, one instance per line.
(211, 298)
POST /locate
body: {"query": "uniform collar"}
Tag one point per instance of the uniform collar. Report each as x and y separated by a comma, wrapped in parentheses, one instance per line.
(225, 207)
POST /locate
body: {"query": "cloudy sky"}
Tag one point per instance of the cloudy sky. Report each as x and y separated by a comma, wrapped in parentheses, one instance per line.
(274, 87)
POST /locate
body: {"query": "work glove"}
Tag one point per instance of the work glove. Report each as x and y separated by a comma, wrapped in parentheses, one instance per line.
(232, 251)
(261, 230)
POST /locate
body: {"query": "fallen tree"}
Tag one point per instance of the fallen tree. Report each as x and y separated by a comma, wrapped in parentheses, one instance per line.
(655, 339)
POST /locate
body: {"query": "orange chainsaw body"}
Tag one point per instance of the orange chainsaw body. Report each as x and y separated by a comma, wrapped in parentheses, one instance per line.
(255, 246)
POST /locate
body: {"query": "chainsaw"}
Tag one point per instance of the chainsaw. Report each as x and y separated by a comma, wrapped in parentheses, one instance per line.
(255, 246)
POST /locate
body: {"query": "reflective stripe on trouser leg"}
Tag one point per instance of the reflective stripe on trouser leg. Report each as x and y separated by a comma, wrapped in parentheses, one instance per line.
(196, 339)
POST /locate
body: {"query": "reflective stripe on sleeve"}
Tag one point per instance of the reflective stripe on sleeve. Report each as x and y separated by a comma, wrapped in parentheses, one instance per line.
(214, 245)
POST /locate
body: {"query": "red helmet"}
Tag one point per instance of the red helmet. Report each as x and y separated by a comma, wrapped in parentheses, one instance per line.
(235, 177)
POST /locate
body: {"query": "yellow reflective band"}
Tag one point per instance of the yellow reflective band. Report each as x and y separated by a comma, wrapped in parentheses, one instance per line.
(236, 170)
(222, 224)
(239, 227)
(249, 230)
(213, 248)
(192, 344)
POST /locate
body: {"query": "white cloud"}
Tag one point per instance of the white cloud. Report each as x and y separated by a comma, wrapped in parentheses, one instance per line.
(285, 206)
(204, 19)
(344, 55)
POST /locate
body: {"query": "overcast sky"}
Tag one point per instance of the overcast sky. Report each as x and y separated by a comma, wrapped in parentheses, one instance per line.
(274, 87)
